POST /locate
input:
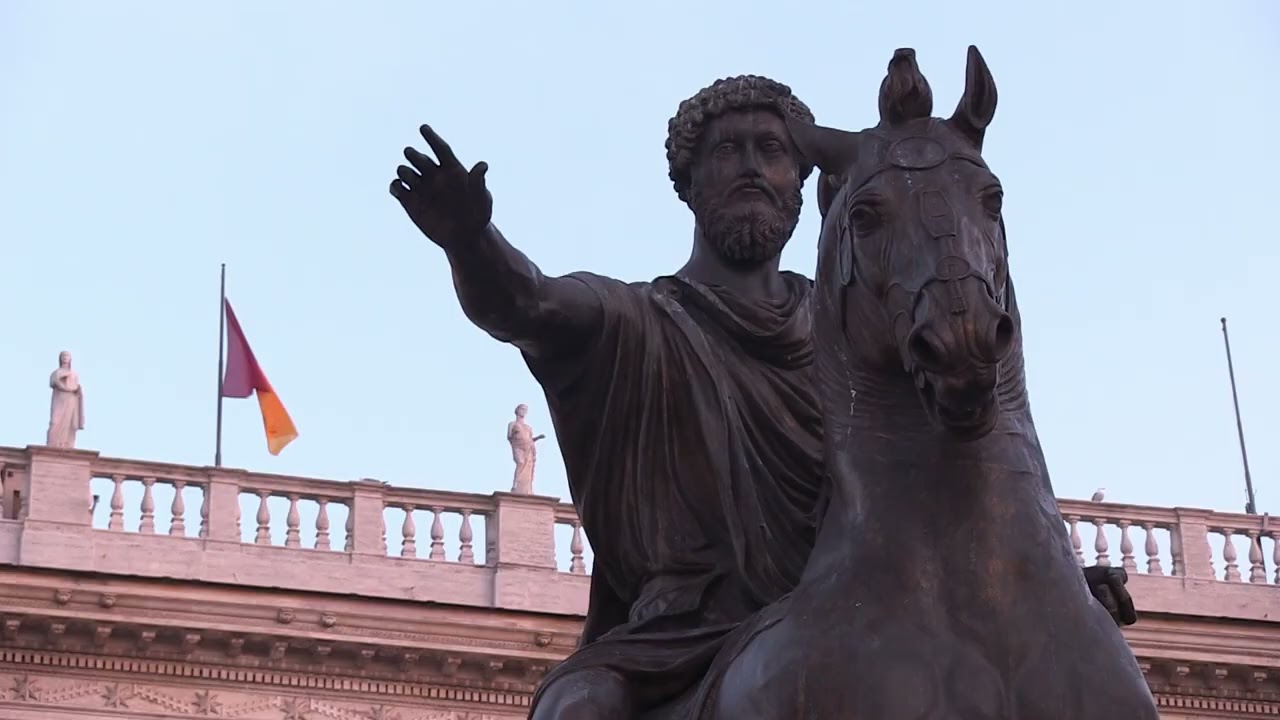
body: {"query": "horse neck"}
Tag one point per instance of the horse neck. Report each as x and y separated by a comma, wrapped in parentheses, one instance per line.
(921, 507)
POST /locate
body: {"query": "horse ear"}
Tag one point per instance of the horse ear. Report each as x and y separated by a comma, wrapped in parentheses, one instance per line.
(833, 151)
(977, 105)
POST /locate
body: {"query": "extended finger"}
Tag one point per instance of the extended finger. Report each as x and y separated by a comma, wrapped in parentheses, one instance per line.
(398, 190)
(438, 146)
(408, 176)
(423, 163)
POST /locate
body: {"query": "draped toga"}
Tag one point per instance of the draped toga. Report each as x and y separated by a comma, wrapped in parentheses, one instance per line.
(692, 443)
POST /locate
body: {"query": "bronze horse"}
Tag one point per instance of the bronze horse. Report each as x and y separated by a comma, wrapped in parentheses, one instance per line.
(943, 585)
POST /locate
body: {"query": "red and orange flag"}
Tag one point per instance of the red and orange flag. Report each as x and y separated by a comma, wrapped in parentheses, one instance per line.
(244, 377)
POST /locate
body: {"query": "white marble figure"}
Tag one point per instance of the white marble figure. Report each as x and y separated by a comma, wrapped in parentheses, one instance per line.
(66, 409)
(524, 451)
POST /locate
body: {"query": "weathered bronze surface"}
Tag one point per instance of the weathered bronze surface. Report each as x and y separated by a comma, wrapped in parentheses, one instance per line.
(687, 416)
(942, 584)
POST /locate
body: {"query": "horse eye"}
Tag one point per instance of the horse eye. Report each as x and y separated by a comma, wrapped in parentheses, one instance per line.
(993, 201)
(865, 218)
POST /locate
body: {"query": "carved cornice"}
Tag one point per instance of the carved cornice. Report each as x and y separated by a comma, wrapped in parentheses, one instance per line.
(1185, 700)
(219, 628)
(1218, 687)
(1222, 641)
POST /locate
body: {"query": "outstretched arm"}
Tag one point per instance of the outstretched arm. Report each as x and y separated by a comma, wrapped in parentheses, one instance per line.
(505, 294)
(500, 289)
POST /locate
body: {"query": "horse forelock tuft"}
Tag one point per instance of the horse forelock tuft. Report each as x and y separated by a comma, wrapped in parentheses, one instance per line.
(905, 95)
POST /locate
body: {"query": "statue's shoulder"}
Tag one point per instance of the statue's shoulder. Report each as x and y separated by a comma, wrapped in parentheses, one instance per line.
(597, 280)
(798, 280)
(612, 291)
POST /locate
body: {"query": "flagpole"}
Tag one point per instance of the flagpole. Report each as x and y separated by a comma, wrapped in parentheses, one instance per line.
(1249, 506)
(222, 334)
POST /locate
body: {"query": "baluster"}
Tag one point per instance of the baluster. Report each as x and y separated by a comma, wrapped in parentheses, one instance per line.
(1076, 543)
(437, 534)
(263, 537)
(117, 504)
(1175, 551)
(239, 528)
(1232, 573)
(408, 534)
(1153, 550)
(292, 537)
(148, 522)
(1257, 571)
(1275, 554)
(1102, 559)
(322, 525)
(178, 508)
(382, 520)
(466, 554)
(1126, 548)
(576, 565)
(207, 490)
(351, 530)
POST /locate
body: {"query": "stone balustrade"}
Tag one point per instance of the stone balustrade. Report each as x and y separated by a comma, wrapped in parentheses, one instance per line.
(1181, 542)
(74, 510)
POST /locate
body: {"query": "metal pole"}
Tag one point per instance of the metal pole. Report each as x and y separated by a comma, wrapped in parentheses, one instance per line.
(1249, 506)
(222, 333)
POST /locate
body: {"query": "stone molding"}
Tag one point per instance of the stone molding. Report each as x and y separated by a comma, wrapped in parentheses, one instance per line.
(299, 639)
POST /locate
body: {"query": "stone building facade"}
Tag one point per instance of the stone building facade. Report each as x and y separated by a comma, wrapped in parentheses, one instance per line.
(133, 589)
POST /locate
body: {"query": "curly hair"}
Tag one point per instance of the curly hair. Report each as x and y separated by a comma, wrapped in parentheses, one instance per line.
(744, 92)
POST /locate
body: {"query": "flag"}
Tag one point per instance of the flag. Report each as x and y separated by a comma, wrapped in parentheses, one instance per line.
(244, 377)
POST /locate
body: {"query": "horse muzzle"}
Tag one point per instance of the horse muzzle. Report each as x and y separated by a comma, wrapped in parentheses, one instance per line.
(953, 351)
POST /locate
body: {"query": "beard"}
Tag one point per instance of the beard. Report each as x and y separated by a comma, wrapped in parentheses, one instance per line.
(750, 235)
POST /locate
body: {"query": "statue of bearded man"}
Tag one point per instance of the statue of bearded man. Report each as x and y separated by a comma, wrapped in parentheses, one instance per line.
(683, 405)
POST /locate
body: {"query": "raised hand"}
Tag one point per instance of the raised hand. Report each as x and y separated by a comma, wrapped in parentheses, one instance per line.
(1108, 585)
(448, 203)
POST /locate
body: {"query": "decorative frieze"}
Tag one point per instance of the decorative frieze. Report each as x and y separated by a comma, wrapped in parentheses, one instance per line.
(59, 695)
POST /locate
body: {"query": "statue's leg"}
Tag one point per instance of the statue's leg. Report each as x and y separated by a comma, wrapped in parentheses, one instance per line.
(586, 695)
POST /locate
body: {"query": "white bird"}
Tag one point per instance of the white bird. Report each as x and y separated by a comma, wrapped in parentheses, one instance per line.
(1097, 496)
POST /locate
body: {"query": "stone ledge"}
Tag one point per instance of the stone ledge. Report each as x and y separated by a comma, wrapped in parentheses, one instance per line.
(62, 547)
(1177, 595)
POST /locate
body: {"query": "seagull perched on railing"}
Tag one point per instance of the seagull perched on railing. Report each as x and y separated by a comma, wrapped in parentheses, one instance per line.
(1097, 496)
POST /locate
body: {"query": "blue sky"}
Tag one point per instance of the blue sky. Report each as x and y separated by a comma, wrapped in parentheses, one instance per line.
(141, 144)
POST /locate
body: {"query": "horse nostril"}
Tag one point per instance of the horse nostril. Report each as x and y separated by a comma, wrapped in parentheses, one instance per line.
(925, 351)
(1001, 340)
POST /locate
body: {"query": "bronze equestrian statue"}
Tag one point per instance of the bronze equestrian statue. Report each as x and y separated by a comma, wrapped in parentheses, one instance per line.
(684, 407)
(942, 585)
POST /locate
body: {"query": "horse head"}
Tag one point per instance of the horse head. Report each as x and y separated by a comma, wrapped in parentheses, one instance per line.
(912, 260)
